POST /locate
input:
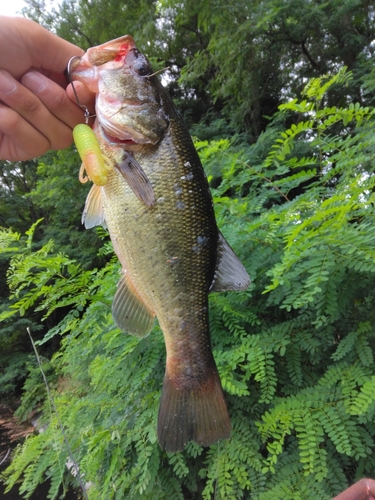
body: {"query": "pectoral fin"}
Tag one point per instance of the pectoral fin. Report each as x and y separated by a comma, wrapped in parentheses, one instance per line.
(137, 180)
(93, 214)
(230, 273)
(129, 311)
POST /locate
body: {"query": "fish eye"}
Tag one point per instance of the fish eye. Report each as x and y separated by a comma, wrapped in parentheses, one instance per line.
(139, 63)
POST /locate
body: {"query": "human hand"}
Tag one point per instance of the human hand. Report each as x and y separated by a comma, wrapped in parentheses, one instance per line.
(36, 113)
(364, 489)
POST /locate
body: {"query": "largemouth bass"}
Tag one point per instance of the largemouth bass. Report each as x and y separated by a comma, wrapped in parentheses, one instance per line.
(157, 206)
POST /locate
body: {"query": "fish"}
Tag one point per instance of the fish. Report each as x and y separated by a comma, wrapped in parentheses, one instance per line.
(157, 206)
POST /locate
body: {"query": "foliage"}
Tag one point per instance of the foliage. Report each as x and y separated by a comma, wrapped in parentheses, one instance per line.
(60, 199)
(12, 371)
(259, 52)
(31, 277)
(295, 352)
(30, 192)
(89, 23)
(233, 60)
(17, 180)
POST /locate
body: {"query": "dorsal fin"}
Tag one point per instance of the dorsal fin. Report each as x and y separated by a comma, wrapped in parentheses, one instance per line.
(230, 273)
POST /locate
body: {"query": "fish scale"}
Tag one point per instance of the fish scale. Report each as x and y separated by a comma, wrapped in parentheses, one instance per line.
(159, 212)
(192, 271)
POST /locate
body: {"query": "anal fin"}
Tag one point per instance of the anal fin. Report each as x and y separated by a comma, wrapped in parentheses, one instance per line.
(129, 311)
(230, 273)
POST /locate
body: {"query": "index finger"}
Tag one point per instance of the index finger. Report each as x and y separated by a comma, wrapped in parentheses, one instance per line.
(40, 48)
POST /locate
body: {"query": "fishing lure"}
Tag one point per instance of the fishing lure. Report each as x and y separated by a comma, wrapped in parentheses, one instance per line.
(91, 155)
(87, 144)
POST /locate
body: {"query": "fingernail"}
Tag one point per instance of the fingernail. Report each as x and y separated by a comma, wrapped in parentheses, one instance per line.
(34, 81)
(7, 83)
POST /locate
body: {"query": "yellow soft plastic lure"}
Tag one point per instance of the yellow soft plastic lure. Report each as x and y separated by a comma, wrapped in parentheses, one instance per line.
(91, 156)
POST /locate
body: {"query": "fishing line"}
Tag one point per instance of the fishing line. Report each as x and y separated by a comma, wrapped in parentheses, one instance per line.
(217, 471)
(6, 456)
(52, 402)
(156, 72)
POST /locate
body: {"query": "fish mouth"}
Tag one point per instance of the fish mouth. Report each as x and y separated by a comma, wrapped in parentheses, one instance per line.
(116, 141)
(124, 140)
(120, 134)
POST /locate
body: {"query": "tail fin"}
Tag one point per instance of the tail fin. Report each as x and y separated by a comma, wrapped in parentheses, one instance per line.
(198, 414)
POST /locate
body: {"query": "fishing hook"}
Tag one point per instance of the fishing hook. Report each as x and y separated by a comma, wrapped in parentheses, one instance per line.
(82, 106)
(157, 72)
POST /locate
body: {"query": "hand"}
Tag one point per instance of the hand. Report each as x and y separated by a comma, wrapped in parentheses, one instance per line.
(362, 490)
(36, 113)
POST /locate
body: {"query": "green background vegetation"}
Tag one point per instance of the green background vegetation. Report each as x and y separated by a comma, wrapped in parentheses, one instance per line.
(280, 99)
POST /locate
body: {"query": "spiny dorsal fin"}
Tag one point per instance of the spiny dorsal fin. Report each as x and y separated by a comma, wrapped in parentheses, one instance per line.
(93, 214)
(129, 311)
(230, 273)
(137, 179)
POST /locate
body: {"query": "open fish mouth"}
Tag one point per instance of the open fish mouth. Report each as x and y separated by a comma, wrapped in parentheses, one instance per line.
(117, 135)
(118, 142)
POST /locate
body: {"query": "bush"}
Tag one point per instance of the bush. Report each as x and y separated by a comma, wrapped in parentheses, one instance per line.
(295, 351)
